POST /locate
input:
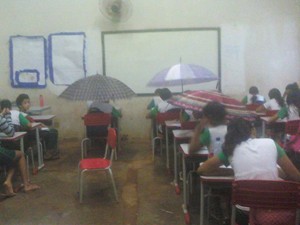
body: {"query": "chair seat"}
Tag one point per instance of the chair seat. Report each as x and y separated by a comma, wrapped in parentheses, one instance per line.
(94, 163)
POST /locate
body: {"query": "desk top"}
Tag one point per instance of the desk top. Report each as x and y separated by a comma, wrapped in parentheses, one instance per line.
(201, 152)
(35, 125)
(42, 118)
(178, 134)
(217, 178)
(38, 109)
(267, 118)
(16, 136)
(173, 123)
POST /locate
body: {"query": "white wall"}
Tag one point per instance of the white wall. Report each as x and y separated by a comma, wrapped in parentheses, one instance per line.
(260, 45)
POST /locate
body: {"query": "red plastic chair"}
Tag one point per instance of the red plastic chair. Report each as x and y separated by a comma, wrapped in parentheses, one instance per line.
(160, 122)
(99, 164)
(95, 120)
(270, 202)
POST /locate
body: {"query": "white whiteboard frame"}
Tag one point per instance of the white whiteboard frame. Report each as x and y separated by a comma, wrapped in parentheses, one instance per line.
(115, 44)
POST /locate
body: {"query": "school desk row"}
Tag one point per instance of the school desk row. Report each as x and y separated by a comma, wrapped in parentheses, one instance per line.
(19, 136)
(184, 135)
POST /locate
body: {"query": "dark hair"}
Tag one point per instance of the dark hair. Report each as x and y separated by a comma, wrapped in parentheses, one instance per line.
(165, 94)
(216, 112)
(275, 93)
(5, 103)
(253, 90)
(293, 98)
(157, 91)
(21, 98)
(292, 87)
(238, 130)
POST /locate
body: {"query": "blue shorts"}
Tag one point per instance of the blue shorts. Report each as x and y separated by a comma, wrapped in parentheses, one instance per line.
(7, 156)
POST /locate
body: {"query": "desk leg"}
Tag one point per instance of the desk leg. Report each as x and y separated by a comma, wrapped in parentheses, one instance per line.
(184, 206)
(201, 203)
(26, 157)
(40, 151)
(177, 189)
(167, 149)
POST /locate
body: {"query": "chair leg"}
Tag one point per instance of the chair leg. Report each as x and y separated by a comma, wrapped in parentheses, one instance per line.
(81, 185)
(153, 146)
(113, 183)
(233, 215)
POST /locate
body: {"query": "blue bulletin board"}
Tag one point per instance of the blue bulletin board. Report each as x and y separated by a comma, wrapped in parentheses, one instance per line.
(28, 65)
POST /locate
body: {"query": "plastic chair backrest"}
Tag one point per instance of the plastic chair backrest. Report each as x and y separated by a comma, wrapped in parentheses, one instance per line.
(292, 127)
(189, 125)
(162, 117)
(252, 107)
(97, 119)
(271, 112)
(266, 194)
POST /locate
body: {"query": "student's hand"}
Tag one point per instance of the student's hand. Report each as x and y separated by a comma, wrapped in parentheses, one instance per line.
(5, 111)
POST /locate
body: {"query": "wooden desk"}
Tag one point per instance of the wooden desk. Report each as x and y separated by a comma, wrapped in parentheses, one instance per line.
(200, 155)
(210, 182)
(170, 124)
(179, 136)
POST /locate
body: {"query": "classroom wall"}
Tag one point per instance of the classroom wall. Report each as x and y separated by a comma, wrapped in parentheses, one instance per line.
(259, 46)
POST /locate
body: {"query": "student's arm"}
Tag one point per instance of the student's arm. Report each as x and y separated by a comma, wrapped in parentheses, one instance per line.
(211, 167)
(245, 100)
(290, 172)
(282, 113)
(116, 113)
(24, 122)
(287, 169)
(6, 125)
(153, 112)
(261, 108)
(199, 137)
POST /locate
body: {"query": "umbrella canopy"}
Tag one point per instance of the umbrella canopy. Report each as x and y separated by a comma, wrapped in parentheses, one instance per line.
(97, 87)
(196, 100)
(181, 74)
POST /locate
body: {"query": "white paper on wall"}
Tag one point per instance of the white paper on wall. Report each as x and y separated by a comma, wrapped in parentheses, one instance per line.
(66, 57)
(28, 66)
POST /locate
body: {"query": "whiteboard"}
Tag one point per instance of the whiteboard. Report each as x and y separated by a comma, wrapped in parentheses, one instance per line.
(66, 57)
(28, 65)
(134, 57)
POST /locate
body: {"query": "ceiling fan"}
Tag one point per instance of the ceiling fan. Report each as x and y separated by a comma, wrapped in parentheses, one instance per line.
(116, 10)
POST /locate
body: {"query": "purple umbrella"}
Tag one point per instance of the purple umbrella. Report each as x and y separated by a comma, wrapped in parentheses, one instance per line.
(181, 74)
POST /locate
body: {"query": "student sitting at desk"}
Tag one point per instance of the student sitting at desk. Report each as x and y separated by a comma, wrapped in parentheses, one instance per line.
(276, 101)
(162, 106)
(211, 130)
(11, 158)
(156, 99)
(49, 134)
(253, 97)
(250, 158)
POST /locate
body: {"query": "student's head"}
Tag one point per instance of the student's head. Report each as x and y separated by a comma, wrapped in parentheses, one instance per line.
(23, 102)
(165, 94)
(238, 130)
(274, 93)
(291, 87)
(215, 112)
(157, 91)
(253, 90)
(293, 98)
(5, 103)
